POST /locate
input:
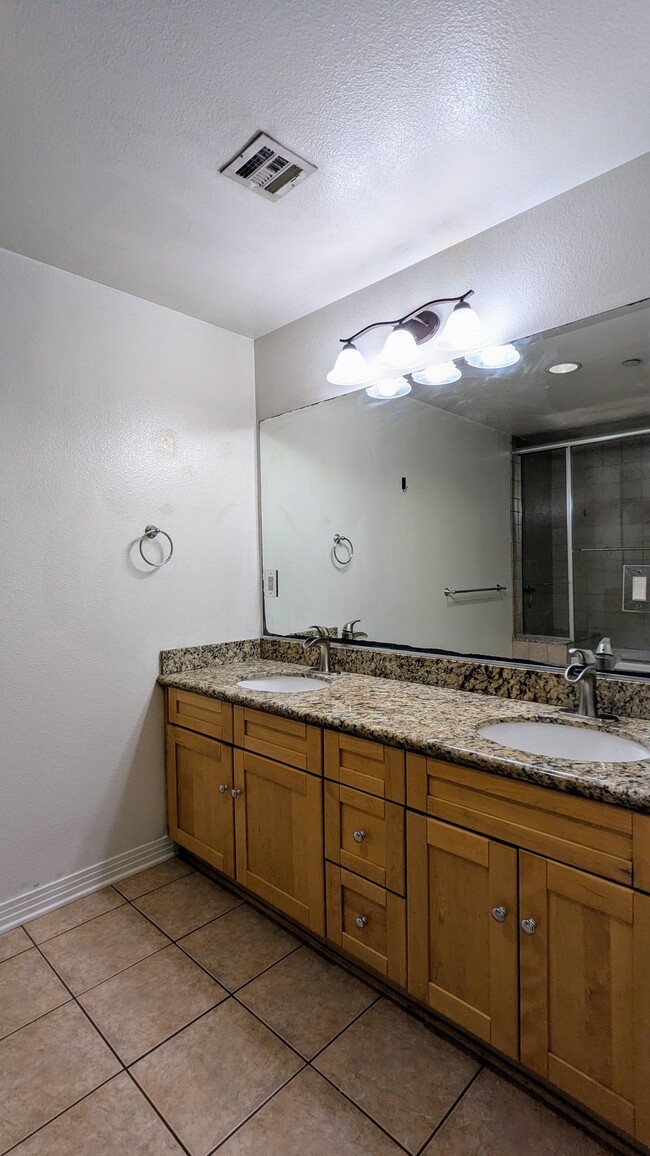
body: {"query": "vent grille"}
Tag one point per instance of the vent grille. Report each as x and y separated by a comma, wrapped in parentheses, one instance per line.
(268, 168)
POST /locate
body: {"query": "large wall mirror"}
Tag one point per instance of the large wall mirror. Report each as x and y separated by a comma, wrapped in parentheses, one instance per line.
(504, 514)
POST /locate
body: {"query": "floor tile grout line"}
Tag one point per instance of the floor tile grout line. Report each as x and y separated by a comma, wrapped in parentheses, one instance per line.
(35, 1020)
(199, 928)
(157, 1111)
(6, 1151)
(190, 1023)
(83, 922)
(450, 1111)
(77, 995)
(364, 1112)
(343, 1030)
(129, 899)
(259, 1108)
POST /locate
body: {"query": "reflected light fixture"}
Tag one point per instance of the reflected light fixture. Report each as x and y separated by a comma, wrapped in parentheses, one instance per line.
(494, 357)
(402, 351)
(442, 374)
(565, 367)
(388, 389)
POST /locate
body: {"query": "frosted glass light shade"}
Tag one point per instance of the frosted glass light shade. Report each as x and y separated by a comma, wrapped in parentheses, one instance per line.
(388, 389)
(494, 357)
(350, 367)
(400, 350)
(442, 374)
(463, 332)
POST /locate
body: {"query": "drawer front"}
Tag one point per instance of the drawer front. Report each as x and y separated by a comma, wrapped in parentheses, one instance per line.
(364, 765)
(368, 922)
(365, 834)
(197, 712)
(283, 739)
(593, 836)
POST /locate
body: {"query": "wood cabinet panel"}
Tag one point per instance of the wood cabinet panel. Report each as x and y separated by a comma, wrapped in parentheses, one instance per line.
(582, 993)
(378, 939)
(295, 743)
(279, 826)
(198, 712)
(365, 765)
(200, 815)
(593, 836)
(462, 962)
(365, 834)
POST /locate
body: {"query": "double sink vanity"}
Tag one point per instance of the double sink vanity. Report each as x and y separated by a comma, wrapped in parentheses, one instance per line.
(507, 892)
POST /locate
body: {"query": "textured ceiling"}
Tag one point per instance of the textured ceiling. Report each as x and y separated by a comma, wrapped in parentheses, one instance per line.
(428, 120)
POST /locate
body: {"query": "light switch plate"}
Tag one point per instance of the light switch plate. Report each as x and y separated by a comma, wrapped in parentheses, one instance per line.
(636, 588)
(270, 583)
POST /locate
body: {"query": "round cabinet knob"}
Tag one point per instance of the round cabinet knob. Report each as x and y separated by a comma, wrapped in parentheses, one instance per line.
(529, 926)
(235, 792)
(361, 922)
(359, 836)
(223, 787)
(499, 913)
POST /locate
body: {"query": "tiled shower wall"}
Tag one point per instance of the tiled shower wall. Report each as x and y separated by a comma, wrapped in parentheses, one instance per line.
(611, 527)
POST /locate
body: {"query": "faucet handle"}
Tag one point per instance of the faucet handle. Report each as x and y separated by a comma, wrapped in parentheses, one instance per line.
(323, 632)
(349, 633)
(582, 655)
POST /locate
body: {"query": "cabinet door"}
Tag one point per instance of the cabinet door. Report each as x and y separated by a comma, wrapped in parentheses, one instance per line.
(367, 921)
(462, 949)
(584, 989)
(199, 797)
(279, 824)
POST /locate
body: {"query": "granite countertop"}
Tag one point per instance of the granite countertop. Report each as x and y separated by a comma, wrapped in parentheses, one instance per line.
(432, 721)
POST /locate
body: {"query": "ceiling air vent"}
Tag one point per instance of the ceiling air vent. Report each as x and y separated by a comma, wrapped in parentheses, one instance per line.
(268, 168)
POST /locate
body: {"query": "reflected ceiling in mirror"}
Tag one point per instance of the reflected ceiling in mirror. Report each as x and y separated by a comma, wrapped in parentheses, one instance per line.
(428, 490)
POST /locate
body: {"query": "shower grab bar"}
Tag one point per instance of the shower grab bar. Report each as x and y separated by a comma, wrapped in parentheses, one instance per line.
(608, 549)
(474, 590)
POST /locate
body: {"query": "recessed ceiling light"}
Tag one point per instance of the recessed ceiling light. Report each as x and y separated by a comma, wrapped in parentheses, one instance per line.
(565, 367)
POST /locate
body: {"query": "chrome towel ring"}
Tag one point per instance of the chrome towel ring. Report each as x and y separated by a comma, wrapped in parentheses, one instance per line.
(341, 540)
(152, 532)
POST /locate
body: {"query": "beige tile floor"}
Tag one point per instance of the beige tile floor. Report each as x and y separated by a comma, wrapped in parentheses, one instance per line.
(164, 1015)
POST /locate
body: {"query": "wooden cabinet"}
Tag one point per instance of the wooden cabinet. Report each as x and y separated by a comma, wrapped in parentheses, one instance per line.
(365, 765)
(462, 961)
(279, 825)
(282, 739)
(366, 835)
(585, 999)
(199, 797)
(368, 922)
(197, 712)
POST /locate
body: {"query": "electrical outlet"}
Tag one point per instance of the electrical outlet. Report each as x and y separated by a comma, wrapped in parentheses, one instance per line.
(270, 583)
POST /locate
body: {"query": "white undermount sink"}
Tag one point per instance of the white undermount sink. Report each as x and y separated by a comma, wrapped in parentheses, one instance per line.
(284, 683)
(564, 741)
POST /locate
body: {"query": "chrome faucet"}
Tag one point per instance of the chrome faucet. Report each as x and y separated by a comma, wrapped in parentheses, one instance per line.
(323, 641)
(348, 633)
(582, 670)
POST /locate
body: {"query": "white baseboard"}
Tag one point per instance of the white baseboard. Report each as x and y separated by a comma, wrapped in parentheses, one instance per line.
(51, 895)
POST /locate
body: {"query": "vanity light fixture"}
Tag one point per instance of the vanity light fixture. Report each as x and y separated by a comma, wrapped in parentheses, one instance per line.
(402, 351)
(565, 367)
(442, 374)
(388, 389)
(494, 357)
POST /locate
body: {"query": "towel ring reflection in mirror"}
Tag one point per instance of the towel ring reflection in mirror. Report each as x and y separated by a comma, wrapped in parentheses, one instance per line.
(152, 532)
(340, 540)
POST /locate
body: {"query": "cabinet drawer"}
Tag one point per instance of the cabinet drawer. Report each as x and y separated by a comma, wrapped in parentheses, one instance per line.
(366, 835)
(282, 739)
(197, 712)
(368, 922)
(365, 765)
(593, 836)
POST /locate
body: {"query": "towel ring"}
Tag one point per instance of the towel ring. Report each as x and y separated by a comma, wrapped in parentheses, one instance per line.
(341, 540)
(152, 532)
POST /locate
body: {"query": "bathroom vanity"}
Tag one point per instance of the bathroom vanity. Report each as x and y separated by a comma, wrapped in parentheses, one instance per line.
(508, 893)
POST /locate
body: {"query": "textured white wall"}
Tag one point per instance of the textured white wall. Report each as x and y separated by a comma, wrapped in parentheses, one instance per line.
(578, 254)
(337, 468)
(115, 413)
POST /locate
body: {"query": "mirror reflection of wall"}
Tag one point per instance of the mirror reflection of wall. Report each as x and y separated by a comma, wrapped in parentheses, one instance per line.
(522, 477)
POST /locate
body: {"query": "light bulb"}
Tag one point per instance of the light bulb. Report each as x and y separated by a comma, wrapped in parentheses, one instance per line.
(494, 357)
(350, 367)
(400, 350)
(388, 389)
(442, 374)
(565, 367)
(463, 332)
